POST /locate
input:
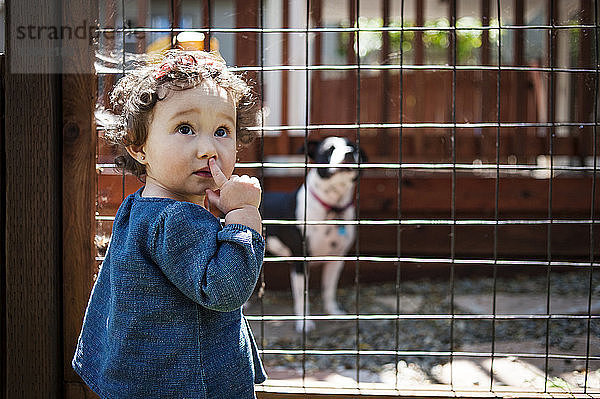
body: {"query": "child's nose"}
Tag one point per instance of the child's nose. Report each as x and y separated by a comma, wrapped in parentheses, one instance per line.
(206, 149)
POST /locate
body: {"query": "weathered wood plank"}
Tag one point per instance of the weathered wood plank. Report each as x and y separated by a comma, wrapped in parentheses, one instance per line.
(79, 88)
(427, 195)
(2, 229)
(33, 215)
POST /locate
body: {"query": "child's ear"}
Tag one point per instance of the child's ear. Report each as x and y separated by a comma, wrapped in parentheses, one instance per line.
(137, 152)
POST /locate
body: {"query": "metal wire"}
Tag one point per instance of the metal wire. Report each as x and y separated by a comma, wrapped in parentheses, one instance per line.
(550, 193)
(423, 317)
(399, 193)
(453, 168)
(348, 29)
(364, 67)
(593, 199)
(424, 166)
(123, 73)
(496, 198)
(210, 30)
(356, 18)
(453, 198)
(410, 222)
(355, 352)
(407, 259)
(305, 268)
(263, 338)
(416, 126)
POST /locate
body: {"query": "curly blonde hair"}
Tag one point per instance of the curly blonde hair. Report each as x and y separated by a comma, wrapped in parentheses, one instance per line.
(135, 95)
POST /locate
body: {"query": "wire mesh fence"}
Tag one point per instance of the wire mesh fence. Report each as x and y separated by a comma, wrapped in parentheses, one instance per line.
(474, 266)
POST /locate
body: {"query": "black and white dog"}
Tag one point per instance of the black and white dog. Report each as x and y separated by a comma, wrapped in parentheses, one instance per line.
(329, 194)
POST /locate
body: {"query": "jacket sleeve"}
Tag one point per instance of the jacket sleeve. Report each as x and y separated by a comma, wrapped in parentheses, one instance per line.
(216, 268)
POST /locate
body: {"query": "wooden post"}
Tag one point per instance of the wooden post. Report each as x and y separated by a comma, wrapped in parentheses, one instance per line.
(486, 81)
(207, 19)
(109, 80)
(3, 348)
(384, 147)
(453, 107)
(246, 52)
(585, 103)
(79, 188)
(246, 42)
(552, 58)
(33, 348)
(486, 99)
(452, 10)
(521, 89)
(419, 52)
(352, 58)
(419, 136)
(174, 16)
(284, 144)
(285, 60)
(316, 103)
(142, 23)
(485, 34)
(350, 55)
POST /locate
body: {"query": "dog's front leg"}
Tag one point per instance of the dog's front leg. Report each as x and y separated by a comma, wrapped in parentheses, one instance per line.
(329, 282)
(297, 282)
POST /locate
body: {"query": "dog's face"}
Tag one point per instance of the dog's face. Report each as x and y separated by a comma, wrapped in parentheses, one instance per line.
(336, 151)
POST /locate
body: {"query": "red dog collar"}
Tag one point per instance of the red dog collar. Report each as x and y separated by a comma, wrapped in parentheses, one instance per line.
(329, 207)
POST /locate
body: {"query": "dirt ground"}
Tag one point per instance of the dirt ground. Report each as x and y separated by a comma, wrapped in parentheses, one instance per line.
(519, 345)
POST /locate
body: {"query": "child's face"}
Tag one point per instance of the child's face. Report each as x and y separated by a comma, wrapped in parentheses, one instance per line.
(187, 128)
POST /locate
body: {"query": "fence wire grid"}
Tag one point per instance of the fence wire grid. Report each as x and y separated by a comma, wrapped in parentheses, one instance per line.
(395, 50)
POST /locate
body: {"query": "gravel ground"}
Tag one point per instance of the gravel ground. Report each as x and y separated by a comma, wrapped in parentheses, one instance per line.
(431, 297)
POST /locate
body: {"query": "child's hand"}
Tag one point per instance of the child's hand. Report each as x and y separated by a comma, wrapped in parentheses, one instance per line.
(235, 192)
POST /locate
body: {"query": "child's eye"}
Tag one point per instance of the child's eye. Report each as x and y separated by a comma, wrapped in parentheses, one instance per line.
(222, 132)
(185, 129)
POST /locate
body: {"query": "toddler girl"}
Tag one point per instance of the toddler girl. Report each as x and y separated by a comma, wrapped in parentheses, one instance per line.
(164, 318)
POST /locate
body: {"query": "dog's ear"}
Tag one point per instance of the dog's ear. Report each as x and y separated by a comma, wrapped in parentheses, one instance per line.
(363, 156)
(311, 149)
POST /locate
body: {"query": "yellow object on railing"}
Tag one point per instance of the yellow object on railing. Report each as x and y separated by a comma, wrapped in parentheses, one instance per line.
(191, 41)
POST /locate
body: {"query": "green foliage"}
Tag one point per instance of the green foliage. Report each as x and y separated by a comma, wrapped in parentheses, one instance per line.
(468, 41)
(557, 382)
(435, 42)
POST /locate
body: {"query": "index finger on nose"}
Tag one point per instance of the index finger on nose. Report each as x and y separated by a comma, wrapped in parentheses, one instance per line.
(217, 173)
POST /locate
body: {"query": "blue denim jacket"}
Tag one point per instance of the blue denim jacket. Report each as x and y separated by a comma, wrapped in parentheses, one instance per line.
(164, 318)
